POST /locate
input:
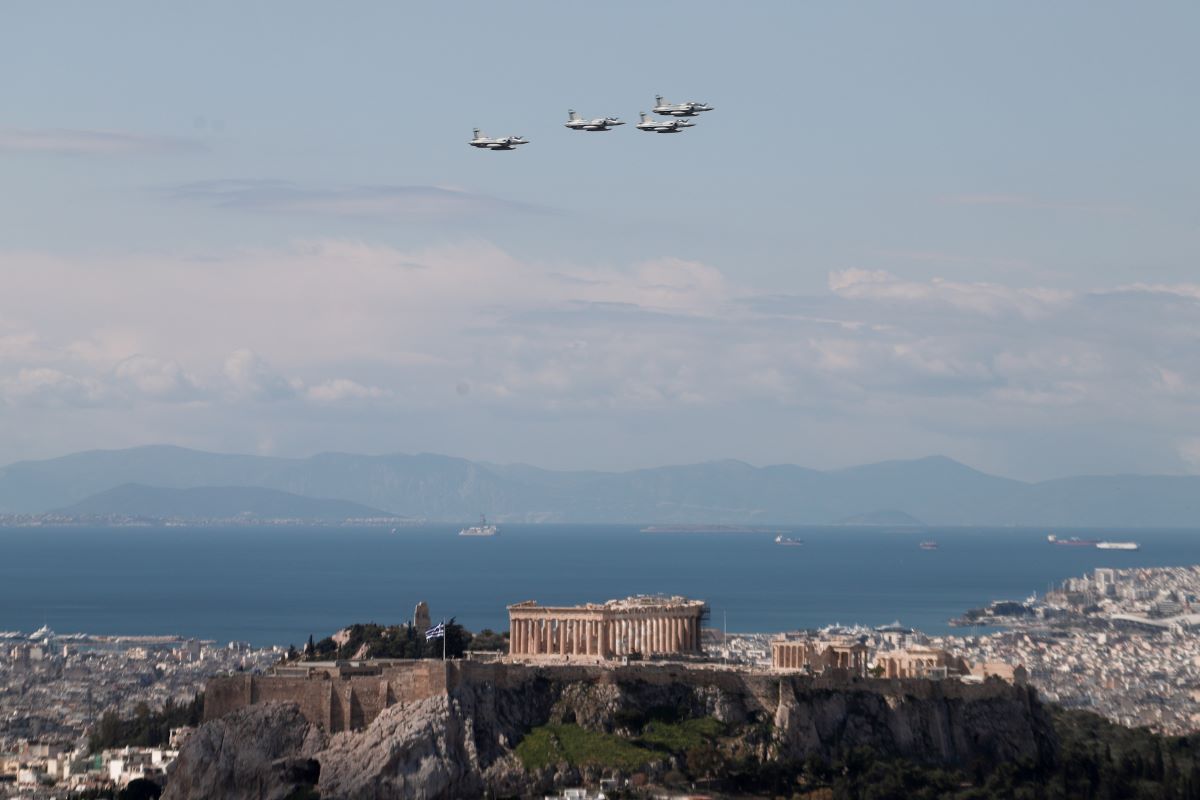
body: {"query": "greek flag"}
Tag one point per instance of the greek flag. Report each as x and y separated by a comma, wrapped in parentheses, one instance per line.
(436, 632)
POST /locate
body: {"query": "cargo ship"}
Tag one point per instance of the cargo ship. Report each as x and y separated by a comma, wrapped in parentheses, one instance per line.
(929, 544)
(1073, 541)
(482, 529)
(788, 541)
(1117, 546)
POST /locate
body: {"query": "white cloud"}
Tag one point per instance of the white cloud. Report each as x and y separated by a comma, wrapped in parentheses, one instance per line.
(47, 387)
(1190, 291)
(468, 329)
(341, 390)
(157, 379)
(989, 299)
(251, 377)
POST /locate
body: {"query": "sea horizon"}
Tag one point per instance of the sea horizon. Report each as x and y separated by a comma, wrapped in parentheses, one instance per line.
(276, 585)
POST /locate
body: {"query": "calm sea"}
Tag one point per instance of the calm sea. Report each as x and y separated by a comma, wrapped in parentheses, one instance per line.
(278, 585)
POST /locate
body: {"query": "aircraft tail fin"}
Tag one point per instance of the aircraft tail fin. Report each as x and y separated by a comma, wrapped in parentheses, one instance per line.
(478, 135)
(658, 99)
(571, 115)
(642, 114)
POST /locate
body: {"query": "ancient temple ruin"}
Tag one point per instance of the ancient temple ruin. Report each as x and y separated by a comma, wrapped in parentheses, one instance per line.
(635, 626)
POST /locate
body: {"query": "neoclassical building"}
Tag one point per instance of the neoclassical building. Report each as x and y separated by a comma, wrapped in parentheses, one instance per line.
(641, 625)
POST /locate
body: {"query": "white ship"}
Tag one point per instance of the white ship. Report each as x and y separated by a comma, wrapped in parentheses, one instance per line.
(482, 529)
(1117, 545)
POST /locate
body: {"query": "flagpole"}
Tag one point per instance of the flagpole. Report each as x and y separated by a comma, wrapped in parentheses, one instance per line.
(443, 640)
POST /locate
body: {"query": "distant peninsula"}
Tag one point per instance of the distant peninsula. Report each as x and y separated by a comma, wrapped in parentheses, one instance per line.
(245, 503)
(889, 518)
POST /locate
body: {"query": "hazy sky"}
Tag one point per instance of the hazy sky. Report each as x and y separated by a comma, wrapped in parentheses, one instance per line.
(907, 228)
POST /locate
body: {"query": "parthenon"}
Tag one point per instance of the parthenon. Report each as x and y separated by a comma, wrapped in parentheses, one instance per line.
(642, 625)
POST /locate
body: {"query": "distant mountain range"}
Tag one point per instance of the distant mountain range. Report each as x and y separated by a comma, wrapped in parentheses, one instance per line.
(935, 490)
(216, 502)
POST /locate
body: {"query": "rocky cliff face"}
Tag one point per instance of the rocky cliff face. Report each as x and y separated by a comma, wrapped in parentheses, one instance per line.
(460, 744)
(258, 753)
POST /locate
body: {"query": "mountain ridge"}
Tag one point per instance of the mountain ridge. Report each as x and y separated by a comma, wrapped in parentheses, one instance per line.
(935, 489)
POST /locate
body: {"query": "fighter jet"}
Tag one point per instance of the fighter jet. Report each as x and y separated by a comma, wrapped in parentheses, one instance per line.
(689, 109)
(663, 125)
(502, 143)
(575, 123)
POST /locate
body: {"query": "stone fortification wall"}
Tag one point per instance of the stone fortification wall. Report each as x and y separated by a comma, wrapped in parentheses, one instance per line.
(351, 701)
(334, 701)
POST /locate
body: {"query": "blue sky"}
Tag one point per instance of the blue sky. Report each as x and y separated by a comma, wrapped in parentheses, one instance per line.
(906, 229)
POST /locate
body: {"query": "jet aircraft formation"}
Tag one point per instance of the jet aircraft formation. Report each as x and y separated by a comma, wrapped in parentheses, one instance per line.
(676, 111)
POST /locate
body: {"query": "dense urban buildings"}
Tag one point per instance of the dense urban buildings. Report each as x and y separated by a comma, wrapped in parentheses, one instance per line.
(55, 689)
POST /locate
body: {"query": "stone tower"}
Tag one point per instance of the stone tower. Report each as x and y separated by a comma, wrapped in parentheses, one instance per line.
(421, 619)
